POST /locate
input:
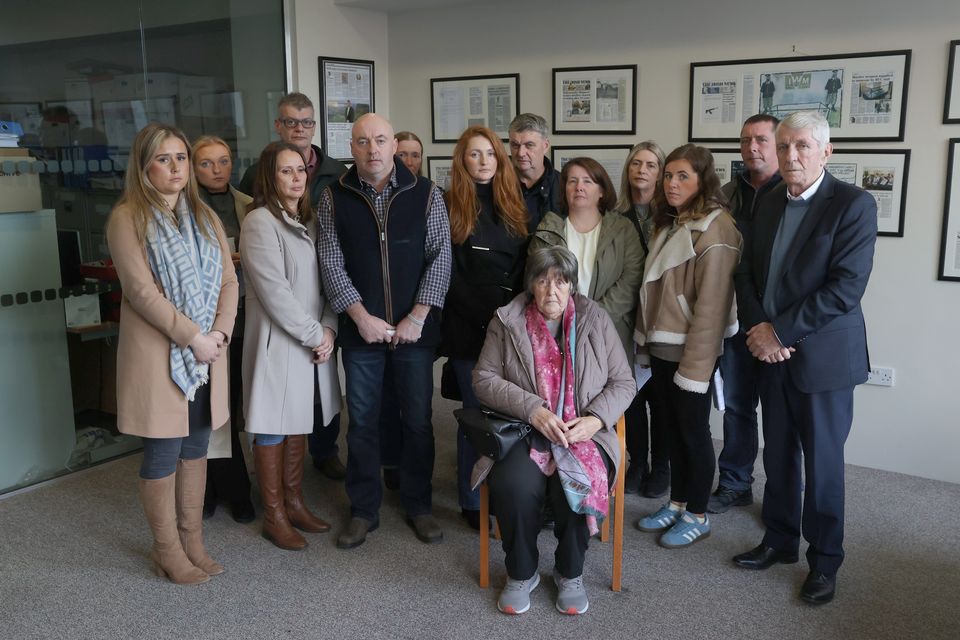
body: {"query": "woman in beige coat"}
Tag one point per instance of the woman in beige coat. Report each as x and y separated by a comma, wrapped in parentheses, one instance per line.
(176, 316)
(289, 367)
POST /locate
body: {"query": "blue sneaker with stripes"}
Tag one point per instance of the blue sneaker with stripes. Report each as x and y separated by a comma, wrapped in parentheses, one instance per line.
(660, 520)
(685, 532)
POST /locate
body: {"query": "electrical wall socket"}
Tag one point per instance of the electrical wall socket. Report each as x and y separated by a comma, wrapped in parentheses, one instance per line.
(881, 376)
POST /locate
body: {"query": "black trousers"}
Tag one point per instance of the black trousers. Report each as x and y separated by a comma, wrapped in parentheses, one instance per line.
(227, 477)
(686, 417)
(518, 493)
(646, 435)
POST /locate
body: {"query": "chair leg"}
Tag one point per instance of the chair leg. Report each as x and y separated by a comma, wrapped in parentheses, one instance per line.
(618, 511)
(484, 536)
(605, 528)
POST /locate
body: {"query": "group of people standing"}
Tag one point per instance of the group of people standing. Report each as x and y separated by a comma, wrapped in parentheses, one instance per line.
(554, 300)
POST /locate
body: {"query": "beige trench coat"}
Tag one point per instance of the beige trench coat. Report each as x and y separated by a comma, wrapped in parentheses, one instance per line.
(149, 404)
(285, 316)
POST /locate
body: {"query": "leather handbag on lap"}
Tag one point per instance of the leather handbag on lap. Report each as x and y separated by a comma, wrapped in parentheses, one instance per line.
(491, 434)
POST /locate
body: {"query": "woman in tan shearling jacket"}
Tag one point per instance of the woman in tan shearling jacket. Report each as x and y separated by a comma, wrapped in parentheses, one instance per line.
(686, 309)
(176, 316)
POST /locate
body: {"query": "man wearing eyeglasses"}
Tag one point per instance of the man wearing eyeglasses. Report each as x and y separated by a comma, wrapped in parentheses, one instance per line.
(295, 124)
(384, 249)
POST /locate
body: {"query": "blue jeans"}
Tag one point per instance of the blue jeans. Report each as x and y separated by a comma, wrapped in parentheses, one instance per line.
(466, 454)
(391, 428)
(413, 383)
(740, 441)
(268, 439)
(160, 455)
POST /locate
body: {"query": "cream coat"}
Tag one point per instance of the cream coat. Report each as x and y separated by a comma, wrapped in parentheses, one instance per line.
(149, 404)
(504, 378)
(285, 316)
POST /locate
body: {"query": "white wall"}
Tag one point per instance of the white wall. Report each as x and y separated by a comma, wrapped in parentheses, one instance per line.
(326, 29)
(911, 323)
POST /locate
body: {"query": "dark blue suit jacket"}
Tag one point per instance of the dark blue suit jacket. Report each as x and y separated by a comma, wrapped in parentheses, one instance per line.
(825, 274)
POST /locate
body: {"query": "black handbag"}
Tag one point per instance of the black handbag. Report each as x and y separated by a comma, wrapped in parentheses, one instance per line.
(491, 433)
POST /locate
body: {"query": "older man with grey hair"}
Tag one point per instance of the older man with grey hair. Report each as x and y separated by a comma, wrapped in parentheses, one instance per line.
(805, 266)
(540, 182)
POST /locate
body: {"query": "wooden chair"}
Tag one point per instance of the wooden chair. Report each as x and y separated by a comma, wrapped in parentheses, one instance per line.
(617, 499)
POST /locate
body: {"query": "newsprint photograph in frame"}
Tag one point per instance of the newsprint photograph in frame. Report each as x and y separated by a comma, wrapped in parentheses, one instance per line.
(487, 101)
(950, 236)
(951, 102)
(611, 157)
(346, 93)
(883, 173)
(595, 100)
(438, 169)
(862, 95)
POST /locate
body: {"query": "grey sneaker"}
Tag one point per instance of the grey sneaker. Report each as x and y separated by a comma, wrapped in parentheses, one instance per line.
(572, 597)
(515, 597)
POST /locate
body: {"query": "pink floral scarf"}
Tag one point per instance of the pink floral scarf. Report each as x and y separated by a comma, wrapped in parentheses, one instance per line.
(582, 472)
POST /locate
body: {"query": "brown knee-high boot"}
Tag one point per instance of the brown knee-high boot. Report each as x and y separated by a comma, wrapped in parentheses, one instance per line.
(276, 526)
(297, 512)
(191, 484)
(159, 505)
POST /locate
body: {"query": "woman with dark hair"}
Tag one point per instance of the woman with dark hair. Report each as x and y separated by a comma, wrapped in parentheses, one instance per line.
(552, 358)
(289, 367)
(686, 310)
(177, 314)
(410, 151)
(489, 230)
(607, 249)
(226, 470)
(641, 177)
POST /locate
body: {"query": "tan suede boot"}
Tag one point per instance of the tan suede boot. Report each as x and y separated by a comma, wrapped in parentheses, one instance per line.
(297, 512)
(276, 526)
(159, 505)
(191, 483)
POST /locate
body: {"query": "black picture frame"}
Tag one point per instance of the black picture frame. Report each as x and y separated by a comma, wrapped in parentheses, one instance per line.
(605, 154)
(869, 105)
(444, 129)
(951, 216)
(951, 98)
(568, 111)
(354, 81)
(434, 166)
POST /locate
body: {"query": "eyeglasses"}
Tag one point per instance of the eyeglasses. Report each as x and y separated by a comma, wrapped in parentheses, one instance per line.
(291, 123)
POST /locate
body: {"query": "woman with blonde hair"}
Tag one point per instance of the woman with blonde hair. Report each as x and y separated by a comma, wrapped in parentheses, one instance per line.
(686, 310)
(290, 377)
(177, 313)
(489, 230)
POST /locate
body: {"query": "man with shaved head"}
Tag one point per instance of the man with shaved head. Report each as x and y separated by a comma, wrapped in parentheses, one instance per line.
(384, 248)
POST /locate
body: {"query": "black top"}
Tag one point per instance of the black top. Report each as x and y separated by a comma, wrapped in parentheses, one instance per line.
(226, 209)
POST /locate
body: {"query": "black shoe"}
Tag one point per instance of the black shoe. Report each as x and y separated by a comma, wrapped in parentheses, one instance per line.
(391, 478)
(763, 557)
(472, 516)
(657, 484)
(426, 528)
(209, 508)
(242, 511)
(356, 533)
(636, 475)
(724, 498)
(331, 467)
(818, 588)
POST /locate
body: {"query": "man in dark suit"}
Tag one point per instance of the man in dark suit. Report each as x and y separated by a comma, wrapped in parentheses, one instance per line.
(805, 266)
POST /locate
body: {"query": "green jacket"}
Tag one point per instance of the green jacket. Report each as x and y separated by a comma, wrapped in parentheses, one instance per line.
(617, 273)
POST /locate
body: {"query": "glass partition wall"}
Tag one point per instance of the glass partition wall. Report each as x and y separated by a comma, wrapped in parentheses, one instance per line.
(78, 80)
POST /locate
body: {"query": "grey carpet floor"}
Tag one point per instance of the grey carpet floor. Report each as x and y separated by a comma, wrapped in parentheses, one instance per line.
(73, 564)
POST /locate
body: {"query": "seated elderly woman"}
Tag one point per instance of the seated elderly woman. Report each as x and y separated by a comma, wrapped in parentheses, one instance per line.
(552, 357)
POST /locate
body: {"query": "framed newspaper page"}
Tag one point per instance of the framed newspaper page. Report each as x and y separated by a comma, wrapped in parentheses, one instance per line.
(611, 157)
(883, 173)
(595, 100)
(346, 93)
(950, 236)
(951, 102)
(438, 168)
(862, 95)
(488, 101)
(728, 164)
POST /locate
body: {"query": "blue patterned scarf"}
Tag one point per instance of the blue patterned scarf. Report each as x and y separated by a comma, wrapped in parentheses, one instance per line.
(189, 267)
